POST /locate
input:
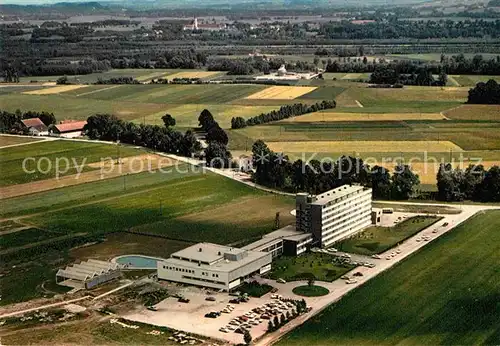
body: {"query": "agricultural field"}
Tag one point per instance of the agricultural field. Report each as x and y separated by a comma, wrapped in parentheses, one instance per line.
(427, 299)
(46, 155)
(55, 90)
(13, 140)
(329, 116)
(176, 207)
(281, 93)
(186, 116)
(364, 146)
(183, 209)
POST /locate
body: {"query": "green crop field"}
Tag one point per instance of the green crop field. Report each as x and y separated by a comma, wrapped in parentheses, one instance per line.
(193, 208)
(77, 108)
(45, 155)
(428, 299)
(186, 116)
(12, 140)
(177, 94)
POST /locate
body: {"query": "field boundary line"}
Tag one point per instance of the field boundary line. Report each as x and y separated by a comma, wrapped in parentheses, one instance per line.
(98, 90)
(94, 201)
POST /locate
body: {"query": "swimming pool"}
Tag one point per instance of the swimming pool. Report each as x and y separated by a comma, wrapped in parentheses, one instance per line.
(138, 261)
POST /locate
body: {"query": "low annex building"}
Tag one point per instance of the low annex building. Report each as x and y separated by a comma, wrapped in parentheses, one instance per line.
(35, 127)
(88, 274)
(212, 265)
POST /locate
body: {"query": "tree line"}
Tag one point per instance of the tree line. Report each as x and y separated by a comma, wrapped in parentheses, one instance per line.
(473, 183)
(456, 64)
(162, 138)
(276, 171)
(485, 93)
(216, 154)
(397, 29)
(12, 122)
(284, 112)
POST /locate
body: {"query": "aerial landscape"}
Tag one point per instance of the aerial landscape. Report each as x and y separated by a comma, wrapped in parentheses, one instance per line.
(250, 172)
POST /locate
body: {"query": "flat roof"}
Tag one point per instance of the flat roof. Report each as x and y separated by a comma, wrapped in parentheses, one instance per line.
(288, 232)
(220, 264)
(336, 193)
(207, 252)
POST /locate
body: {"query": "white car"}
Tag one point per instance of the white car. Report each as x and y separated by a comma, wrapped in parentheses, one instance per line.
(388, 257)
(230, 327)
(350, 282)
(376, 256)
(224, 330)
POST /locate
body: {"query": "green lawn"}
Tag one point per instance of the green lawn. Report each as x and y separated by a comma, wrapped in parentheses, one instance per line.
(308, 266)
(46, 155)
(254, 289)
(447, 293)
(377, 239)
(310, 291)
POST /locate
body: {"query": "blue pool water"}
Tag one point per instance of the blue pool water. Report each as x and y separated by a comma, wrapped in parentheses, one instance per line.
(138, 261)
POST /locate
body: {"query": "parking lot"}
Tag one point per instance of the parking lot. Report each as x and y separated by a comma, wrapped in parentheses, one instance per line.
(190, 317)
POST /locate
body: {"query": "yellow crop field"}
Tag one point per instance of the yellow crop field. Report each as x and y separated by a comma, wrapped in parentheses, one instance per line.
(193, 74)
(474, 112)
(333, 116)
(281, 93)
(55, 90)
(363, 146)
(427, 171)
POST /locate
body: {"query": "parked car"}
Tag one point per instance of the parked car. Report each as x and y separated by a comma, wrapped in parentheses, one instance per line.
(234, 301)
(281, 281)
(211, 315)
(445, 224)
(357, 274)
(210, 298)
(152, 308)
(183, 300)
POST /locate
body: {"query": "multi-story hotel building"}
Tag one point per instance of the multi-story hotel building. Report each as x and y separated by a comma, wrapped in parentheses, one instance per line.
(335, 214)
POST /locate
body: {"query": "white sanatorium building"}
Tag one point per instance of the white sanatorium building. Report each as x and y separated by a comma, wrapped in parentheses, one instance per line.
(212, 265)
(320, 221)
(335, 214)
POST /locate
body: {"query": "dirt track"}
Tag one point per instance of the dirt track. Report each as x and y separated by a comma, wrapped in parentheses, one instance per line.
(102, 170)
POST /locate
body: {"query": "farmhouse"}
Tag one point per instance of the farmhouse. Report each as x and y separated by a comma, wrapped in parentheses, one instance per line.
(68, 129)
(212, 265)
(36, 127)
(88, 274)
(335, 214)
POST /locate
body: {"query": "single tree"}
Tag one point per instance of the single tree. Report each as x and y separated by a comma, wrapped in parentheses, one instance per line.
(168, 120)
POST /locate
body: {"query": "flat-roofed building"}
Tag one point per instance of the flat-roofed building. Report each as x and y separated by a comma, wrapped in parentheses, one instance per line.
(284, 241)
(335, 214)
(212, 265)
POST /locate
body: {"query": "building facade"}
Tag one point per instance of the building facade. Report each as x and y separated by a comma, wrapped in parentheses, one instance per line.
(214, 266)
(335, 214)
